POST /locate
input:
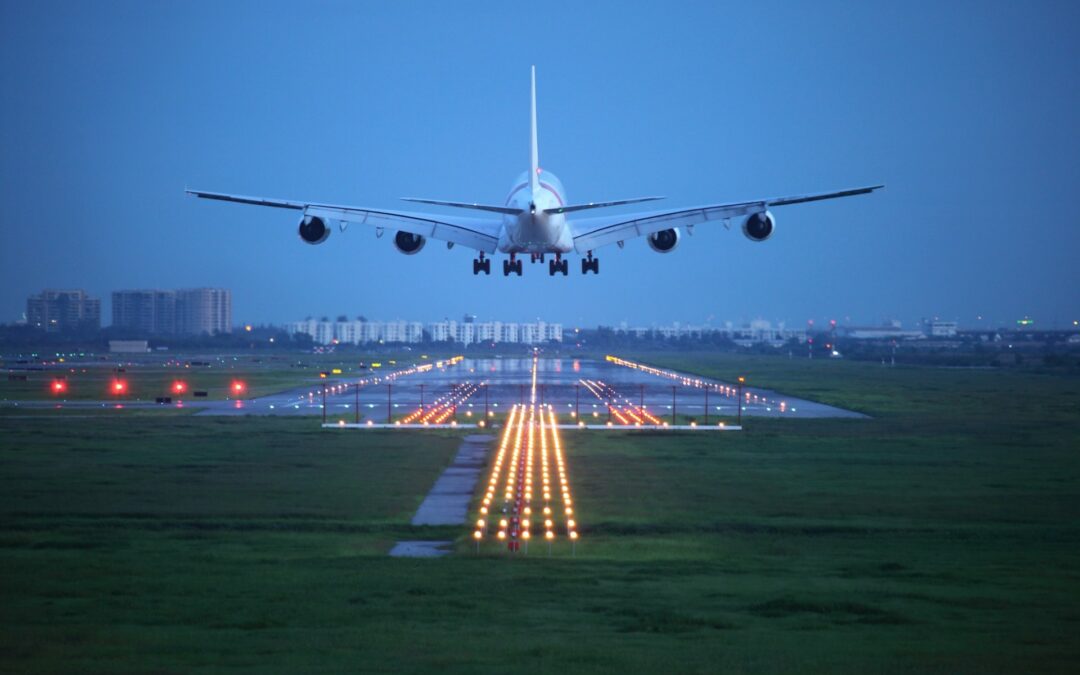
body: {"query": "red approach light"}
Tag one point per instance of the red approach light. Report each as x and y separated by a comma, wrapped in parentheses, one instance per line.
(179, 387)
(238, 387)
(59, 386)
(119, 387)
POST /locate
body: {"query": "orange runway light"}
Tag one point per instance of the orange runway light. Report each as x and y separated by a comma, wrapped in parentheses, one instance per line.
(238, 387)
(179, 387)
(119, 387)
(59, 386)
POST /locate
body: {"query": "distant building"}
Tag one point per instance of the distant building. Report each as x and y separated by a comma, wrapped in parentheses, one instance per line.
(938, 328)
(146, 311)
(129, 346)
(192, 311)
(464, 332)
(890, 331)
(63, 310)
(203, 310)
(758, 331)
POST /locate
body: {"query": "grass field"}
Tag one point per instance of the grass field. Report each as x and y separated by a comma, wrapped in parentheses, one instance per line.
(943, 535)
(148, 376)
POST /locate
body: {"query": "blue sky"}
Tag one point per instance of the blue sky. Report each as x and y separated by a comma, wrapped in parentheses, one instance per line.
(966, 110)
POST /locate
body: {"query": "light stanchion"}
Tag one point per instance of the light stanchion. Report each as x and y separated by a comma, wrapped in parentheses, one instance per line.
(741, 381)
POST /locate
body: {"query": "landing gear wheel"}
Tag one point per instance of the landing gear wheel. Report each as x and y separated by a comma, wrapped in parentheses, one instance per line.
(518, 266)
(506, 268)
(590, 263)
(556, 266)
(483, 265)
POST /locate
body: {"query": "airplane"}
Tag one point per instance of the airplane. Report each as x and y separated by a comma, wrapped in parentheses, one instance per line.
(533, 220)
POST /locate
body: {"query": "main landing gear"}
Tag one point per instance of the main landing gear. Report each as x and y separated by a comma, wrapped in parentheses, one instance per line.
(481, 264)
(512, 265)
(558, 265)
(590, 263)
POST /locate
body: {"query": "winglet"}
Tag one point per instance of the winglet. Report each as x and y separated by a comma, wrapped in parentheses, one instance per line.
(534, 156)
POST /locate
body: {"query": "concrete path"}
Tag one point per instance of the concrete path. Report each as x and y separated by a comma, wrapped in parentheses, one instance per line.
(448, 501)
(420, 549)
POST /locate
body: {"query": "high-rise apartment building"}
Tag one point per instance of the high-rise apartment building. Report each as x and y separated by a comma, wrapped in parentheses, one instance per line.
(146, 311)
(63, 310)
(203, 310)
(191, 311)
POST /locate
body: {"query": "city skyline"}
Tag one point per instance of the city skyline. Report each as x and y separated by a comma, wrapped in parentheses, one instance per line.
(107, 308)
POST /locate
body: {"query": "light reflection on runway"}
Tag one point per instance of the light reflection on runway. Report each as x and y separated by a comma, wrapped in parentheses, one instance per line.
(494, 386)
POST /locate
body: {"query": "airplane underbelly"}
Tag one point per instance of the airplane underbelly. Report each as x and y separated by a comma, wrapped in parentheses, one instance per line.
(528, 234)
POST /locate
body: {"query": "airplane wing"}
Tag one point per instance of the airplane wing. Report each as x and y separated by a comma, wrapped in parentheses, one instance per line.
(481, 234)
(592, 233)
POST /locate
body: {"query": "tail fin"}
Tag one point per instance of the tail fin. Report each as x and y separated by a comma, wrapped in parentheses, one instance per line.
(534, 165)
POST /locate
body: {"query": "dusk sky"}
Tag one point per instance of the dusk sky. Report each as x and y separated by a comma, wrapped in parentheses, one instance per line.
(965, 110)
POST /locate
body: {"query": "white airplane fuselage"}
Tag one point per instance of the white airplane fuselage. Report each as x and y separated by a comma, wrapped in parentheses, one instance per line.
(534, 231)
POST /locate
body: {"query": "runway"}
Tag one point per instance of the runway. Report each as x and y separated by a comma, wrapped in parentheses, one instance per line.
(463, 391)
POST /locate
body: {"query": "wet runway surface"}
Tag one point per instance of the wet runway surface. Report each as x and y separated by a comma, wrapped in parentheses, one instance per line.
(466, 389)
(564, 383)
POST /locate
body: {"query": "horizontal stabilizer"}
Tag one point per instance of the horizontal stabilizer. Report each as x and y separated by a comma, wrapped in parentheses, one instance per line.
(462, 205)
(570, 208)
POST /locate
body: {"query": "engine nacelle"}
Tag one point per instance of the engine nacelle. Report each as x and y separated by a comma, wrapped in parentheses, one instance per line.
(664, 241)
(759, 226)
(313, 230)
(408, 243)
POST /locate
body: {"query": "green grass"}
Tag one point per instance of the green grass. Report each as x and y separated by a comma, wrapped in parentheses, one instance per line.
(942, 535)
(151, 375)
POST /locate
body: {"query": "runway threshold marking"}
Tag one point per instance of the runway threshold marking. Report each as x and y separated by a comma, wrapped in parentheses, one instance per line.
(531, 433)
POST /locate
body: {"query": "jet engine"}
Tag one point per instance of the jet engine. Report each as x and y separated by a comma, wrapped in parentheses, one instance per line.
(408, 243)
(759, 226)
(313, 230)
(664, 241)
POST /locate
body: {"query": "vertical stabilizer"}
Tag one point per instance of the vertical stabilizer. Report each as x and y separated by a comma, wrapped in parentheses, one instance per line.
(534, 156)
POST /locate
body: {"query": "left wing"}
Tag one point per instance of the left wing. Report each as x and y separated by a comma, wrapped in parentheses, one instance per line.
(592, 233)
(481, 234)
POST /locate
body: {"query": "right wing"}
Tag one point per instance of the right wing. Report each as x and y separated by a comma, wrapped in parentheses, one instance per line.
(481, 234)
(592, 233)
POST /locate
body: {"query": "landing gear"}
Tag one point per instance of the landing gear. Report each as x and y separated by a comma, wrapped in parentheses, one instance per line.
(558, 265)
(512, 265)
(590, 263)
(481, 264)
(536, 257)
